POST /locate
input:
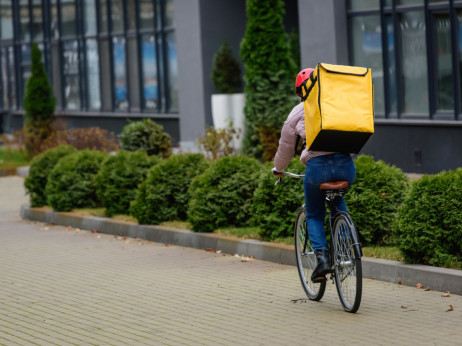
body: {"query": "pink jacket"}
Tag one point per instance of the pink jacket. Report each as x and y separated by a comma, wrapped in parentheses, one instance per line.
(293, 126)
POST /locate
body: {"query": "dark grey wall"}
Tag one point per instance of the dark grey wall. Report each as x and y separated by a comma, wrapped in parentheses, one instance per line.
(111, 122)
(221, 21)
(428, 147)
(323, 32)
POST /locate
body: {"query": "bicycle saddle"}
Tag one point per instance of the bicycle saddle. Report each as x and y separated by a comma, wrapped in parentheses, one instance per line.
(334, 185)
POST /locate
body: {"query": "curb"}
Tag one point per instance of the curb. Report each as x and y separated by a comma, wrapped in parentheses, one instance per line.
(439, 279)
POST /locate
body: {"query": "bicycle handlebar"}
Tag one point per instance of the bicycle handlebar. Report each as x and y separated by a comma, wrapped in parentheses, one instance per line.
(292, 175)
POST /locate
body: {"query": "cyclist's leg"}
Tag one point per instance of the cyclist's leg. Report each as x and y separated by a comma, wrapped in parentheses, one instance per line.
(315, 172)
(343, 168)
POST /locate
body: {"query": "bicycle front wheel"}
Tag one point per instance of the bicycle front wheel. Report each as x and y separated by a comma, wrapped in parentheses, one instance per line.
(306, 260)
(347, 264)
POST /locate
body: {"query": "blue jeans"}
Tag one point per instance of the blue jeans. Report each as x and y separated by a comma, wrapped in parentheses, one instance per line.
(321, 169)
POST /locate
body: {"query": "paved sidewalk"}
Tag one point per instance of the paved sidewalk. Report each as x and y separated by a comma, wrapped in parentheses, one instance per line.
(63, 286)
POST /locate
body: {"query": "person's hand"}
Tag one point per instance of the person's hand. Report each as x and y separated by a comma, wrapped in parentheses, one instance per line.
(277, 173)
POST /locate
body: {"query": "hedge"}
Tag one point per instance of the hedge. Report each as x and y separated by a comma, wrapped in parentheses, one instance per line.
(118, 179)
(164, 195)
(373, 200)
(223, 194)
(39, 169)
(429, 227)
(274, 207)
(71, 183)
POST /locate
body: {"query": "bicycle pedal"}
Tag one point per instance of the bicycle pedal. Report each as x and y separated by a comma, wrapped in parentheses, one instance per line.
(319, 279)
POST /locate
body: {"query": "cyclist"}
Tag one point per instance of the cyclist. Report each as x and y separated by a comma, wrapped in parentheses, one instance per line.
(320, 167)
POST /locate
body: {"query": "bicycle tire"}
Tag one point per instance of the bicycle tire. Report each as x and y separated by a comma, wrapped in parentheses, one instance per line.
(347, 264)
(306, 260)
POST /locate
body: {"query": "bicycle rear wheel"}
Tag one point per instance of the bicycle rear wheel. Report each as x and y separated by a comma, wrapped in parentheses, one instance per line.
(347, 264)
(306, 260)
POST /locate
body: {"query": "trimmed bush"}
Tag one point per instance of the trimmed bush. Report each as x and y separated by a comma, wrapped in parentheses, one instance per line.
(40, 167)
(274, 207)
(71, 183)
(148, 136)
(429, 227)
(223, 194)
(118, 179)
(374, 198)
(164, 196)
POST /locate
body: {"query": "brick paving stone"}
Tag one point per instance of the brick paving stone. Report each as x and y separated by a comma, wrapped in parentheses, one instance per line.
(64, 286)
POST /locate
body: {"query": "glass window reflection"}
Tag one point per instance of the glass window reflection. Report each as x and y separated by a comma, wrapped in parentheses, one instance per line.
(24, 20)
(93, 85)
(444, 85)
(169, 11)
(117, 16)
(90, 17)
(68, 18)
(37, 24)
(150, 82)
(71, 75)
(414, 63)
(172, 73)
(363, 4)
(120, 75)
(366, 36)
(6, 20)
(146, 14)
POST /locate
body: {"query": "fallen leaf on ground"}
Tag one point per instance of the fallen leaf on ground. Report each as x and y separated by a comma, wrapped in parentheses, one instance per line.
(447, 294)
(427, 289)
(373, 278)
(301, 300)
(247, 259)
(95, 231)
(403, 307)
(211, 250)
(400, 282)
(451, 308)
(69, 228)
(419, 285)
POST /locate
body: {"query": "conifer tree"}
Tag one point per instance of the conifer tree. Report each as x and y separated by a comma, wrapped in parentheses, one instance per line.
(226, 72)
(269, 83)
(39, 104)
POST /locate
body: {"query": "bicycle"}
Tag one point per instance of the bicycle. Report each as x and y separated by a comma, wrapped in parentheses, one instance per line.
(345, 250)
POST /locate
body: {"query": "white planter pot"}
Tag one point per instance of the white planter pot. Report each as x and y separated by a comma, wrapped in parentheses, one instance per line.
(226, 108)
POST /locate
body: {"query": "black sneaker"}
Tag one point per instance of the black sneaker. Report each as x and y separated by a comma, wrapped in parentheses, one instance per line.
(323, 266)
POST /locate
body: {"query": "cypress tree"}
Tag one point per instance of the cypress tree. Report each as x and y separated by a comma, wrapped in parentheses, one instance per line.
(226, 72)
(39, 104)
(269, 83)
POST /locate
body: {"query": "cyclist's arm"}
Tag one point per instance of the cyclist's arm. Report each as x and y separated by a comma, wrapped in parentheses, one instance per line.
(286, 149)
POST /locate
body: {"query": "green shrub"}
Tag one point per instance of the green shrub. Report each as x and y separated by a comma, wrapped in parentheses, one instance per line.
(118, 179)
(274, 207)
(222, 195)
(148, 136)
(226, 72)
(71, 183)
(164, 196)
(40, 167)
(39, 104)
(429, 227)
(374, 198)
(269, 79)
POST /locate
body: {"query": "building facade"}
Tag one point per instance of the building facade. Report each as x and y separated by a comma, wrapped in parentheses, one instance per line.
(110, 61)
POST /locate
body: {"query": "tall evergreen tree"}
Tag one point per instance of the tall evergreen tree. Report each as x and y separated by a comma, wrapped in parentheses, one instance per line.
(39, 104)
(269, 83)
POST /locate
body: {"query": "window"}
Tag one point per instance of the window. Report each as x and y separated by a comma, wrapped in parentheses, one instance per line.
(71, 75)
(150, 82)
(367, 40)
(417, 75)
(414, 63)
(68, 18)
(93, 85)
(6, 20)
(120, 74)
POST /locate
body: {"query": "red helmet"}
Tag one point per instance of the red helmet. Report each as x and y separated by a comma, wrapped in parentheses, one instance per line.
(302, 76)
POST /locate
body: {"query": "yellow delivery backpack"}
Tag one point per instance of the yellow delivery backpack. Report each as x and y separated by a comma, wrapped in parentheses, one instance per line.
(339, 108)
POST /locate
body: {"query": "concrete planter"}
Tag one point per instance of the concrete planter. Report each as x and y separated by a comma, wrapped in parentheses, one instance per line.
(228, 108)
